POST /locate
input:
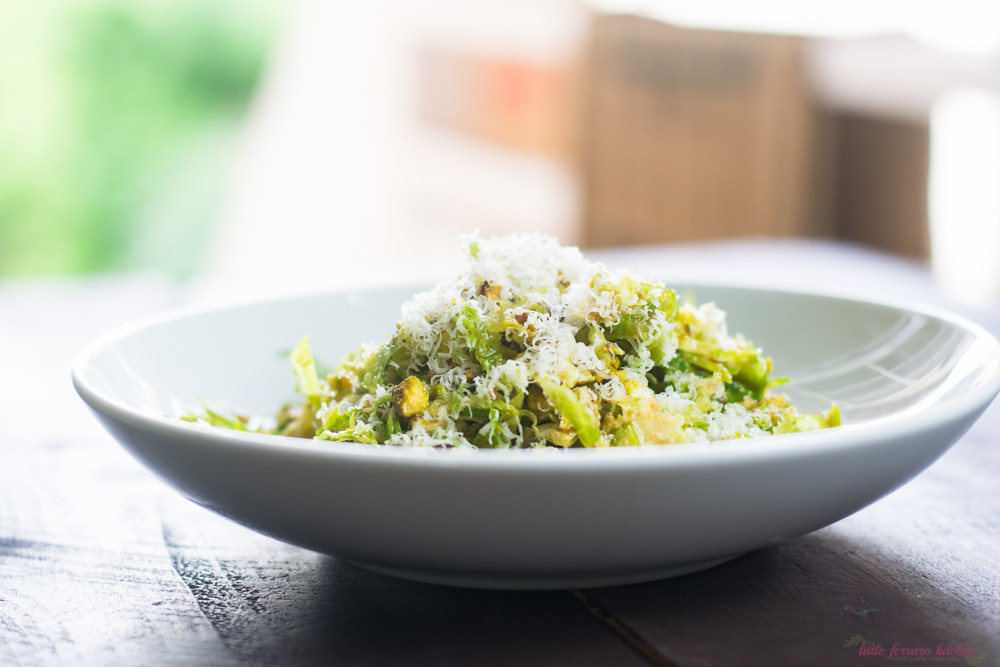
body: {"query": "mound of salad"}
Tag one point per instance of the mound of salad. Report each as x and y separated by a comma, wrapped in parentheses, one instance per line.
(535, 346)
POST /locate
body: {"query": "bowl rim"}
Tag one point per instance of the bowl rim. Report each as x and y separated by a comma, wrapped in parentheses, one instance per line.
(721, 452)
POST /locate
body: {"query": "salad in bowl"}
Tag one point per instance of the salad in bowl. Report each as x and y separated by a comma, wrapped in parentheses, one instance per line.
(535, 346)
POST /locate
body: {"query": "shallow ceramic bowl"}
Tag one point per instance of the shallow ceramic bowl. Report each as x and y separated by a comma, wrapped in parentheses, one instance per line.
(909, 382)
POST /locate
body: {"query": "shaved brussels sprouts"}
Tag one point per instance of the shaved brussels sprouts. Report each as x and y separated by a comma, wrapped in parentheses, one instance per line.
(534, 346)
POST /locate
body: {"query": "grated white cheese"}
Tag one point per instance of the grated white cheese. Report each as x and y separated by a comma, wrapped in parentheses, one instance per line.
(559, 289)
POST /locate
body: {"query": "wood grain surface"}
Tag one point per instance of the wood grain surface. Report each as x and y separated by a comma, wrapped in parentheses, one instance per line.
(100, 563)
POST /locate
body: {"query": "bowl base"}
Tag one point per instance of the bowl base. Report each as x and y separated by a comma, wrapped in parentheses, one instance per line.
(540, 582)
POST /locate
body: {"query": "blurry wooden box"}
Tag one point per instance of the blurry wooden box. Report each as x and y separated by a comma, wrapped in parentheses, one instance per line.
(880, 182)
(694, 134)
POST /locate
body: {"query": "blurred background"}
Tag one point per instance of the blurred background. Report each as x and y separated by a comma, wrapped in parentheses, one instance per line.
(249, 148)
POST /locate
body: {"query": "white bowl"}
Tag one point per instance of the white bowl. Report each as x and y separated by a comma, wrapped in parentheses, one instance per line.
(909, 382)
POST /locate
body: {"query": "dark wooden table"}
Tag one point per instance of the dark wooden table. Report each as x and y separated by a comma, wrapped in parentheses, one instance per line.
(102, 564)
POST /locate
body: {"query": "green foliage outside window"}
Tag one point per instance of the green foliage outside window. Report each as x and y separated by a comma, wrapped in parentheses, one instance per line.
(117, 123)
